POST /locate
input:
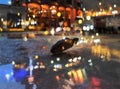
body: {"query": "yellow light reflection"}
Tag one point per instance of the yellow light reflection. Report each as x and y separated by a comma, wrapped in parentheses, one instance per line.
(77, 76)
(110, 8)
(99, 50)
(80, 76)
(67, 65)
(36, 56)
(46, 33)
(18, 13)
(115, 52)
(69, 73)
(57, 78)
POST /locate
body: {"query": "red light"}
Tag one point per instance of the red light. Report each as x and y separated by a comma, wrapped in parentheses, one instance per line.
(95, 81)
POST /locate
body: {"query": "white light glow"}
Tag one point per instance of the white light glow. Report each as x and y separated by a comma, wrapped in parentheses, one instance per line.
(58, 59)
(88, 17)
(91, 27)
(7, 76)
(79, 58)
(114, 12)
(58, 29)
(51, 61)
(97, 41)
(84, 28)
(52, 31)
(9, 2)
(13, 62)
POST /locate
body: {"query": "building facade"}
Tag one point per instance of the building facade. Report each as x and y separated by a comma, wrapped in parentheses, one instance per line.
(12, 17)
(39, 13)
(51, 12)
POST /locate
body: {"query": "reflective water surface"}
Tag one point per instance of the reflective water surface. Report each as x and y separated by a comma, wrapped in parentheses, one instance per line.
(78, 68)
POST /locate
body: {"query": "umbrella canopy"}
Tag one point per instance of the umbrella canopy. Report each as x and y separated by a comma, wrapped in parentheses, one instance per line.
(63, 45)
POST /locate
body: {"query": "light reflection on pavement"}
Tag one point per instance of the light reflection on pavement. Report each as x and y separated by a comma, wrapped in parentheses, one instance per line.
(80, 69)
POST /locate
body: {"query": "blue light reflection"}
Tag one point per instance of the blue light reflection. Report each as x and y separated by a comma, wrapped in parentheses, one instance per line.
(8, 73)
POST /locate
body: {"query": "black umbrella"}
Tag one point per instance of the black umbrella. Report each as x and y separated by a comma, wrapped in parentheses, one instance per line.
(63, 45)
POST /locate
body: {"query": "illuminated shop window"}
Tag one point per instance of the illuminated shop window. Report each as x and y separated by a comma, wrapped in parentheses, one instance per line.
(14, 20)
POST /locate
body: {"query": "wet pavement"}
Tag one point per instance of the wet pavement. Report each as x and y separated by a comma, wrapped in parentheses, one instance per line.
(28, 64)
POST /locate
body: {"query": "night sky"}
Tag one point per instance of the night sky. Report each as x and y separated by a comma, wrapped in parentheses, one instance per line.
(88, 4)
(93, 4)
